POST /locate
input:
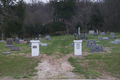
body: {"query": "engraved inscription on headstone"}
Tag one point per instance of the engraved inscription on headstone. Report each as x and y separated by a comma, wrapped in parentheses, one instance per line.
(78, 46)
(34, 46)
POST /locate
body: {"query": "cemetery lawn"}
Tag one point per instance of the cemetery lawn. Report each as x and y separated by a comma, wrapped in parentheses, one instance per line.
(19, 64)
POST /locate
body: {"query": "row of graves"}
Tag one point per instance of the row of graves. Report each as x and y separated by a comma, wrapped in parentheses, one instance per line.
(9, 42)
(92, 43)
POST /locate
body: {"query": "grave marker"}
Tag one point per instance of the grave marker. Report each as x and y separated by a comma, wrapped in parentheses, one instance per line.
(102, 33)
(14, 48)
(91, 32)
(17, 40)
(112, 35)
(47, 37)
(9, 42)
(90, 43)
(96, 48)
(114, 42)
(75, 35)
(104, 38)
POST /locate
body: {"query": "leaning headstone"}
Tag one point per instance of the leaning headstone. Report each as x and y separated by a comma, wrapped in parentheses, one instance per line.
(9, 42)
(104, 38)
(90, 43)
(47, 37)
(75, 35)
(118, 40)
(112, 35)
(17, 40)
(96, 48)
(114, 42)
(14, 48)
(91, 32)
(102, 33)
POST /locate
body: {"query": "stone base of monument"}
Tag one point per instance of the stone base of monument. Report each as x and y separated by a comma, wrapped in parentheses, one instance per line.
(14, 48)
(96, 48)
(9, 46)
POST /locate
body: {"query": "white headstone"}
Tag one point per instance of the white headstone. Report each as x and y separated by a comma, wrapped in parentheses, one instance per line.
(79, 31)
(35, 47)
(78, 47)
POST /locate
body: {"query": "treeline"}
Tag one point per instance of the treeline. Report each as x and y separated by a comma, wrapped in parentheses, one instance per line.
(24, 20)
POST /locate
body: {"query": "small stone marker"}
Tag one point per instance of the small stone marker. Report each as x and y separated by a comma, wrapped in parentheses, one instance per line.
(44, 44)
(47, 37)
(99, 37)
(9, 42)
(75, 35)
(21, 41)
(2, 41)
(114, 42)
(95, 34)
(104, 38)
(14, 48)
(102, 33)
(5, 52)
(90, 43)
(96, 48)
(91, 32)
(112, 35)
(118, 40)
(78, 47)
(17, 40)
(40, 36)
(35, 47)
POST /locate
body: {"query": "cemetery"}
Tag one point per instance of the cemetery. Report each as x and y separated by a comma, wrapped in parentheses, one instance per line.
(60, 48)
(60, 40)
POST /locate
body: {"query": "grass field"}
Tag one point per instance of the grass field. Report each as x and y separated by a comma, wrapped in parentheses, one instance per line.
(91, 65)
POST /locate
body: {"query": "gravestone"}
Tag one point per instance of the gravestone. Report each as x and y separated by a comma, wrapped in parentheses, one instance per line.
(14, 48)
(17, 40)
(78, 30)
(96, 48)
(118, 40)
(40, 36)
(28, 41)
(2, 41)
(91, 32)
(114, 42)
(99, 37)
(44, 44)
(104, 38)
(82, 37)
(95, 34)
(112, 35)
(47, 37)
(9, 42)
(21, 41)
(75, 35)
(102, 33)
(24, 39)
(5, 52)
(90, 43)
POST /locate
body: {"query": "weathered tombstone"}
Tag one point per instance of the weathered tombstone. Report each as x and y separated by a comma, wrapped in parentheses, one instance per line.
(9, 42)
(95, 34)
(112, 35)
(17, 40)
(14, 48)
(82, 37)
(104, 38)
(90, 43)
(102, 33)
(114, 42)
(2, 41)
(79, 31)
(40, 36)
(47, 37)
(75, 35)
(28, 41)
(21, 41)
(96, 48)
(99, 37)
(5, 52)
(118, 40)
(91, 32)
